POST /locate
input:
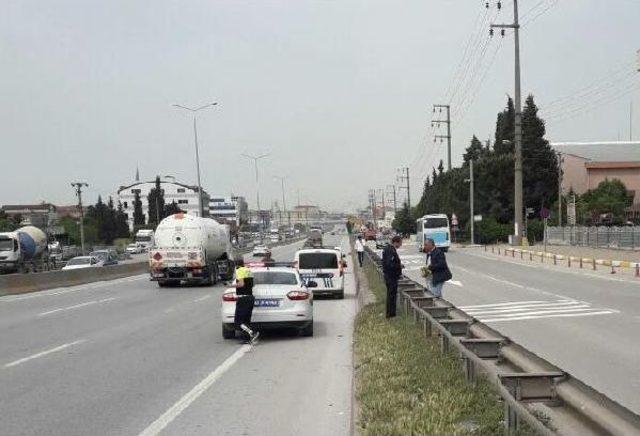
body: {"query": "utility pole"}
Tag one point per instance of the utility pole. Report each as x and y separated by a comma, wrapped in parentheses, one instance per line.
(78, 187)
(404, 179)
(518, 200)
(195, 138)
(446, 121)
(560, 161)
(380, 195)
(392, 190)
(255, 164)
(284, 203)
(471, 206)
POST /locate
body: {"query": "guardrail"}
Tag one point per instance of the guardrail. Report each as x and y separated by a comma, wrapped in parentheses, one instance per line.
(548, 399)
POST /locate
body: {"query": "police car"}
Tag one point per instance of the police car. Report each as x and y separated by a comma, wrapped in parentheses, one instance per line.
(282, 300)
(324, 266)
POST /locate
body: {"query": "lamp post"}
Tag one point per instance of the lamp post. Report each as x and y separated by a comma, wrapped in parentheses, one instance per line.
(195, 137)
(284, 201)
(255, 164)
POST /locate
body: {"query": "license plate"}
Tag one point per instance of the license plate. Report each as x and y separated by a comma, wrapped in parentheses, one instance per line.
(266, 303)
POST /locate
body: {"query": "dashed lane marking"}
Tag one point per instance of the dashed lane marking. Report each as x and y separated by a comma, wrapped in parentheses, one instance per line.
(43, 353)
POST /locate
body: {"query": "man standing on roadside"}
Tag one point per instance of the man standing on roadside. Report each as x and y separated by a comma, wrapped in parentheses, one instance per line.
(437, 264)
(245, 301)
(392, 269)
(359, 246)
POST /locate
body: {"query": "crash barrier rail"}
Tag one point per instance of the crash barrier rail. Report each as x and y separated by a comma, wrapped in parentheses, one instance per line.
(571, 261)
(23, 283)
(546, 398)
(599, 237)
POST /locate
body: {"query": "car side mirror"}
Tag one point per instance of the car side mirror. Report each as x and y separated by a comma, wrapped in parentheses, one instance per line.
(312, 284)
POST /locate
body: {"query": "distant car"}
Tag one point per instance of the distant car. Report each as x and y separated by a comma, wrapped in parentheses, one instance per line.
(134, 249)
(325, 267)
(261, 250)
(107, 257)
(282, 300)
(81, 262)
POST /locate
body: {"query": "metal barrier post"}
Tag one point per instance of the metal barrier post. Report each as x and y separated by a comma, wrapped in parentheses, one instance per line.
(580, 262)
(637, 269)
(569, 261)
(555, 259)
(594, 264)
(531, 255)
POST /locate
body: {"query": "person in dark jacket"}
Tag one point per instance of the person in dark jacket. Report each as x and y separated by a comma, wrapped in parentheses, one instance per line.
(437, 264)
(392, 269)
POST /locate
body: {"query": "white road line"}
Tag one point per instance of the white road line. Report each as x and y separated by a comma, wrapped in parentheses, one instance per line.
(524, 306)
(76, 306)
(174, 411)
(43, 353)
(557, 315)
(520, 310)
(536, 312)
(201, 298)
(501, 304)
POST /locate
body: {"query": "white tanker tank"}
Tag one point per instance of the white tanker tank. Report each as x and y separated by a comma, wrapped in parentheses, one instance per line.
(190, 248)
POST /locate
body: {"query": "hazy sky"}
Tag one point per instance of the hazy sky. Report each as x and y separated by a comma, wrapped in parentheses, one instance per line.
(339, 92)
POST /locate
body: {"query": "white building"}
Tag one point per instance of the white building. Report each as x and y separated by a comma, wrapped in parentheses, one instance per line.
(230, 210)
(185, 196)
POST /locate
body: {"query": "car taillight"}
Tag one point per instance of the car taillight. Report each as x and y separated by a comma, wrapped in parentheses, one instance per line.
(229, 296)
(297, 295)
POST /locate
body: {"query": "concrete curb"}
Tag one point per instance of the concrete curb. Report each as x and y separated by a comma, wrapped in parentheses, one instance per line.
(24, 283)
(581, 261)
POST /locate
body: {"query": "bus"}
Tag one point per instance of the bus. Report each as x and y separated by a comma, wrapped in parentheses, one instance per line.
(436, 227)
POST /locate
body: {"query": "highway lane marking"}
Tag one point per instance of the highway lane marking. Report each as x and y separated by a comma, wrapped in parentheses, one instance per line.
(174, 411)
(523, 310)
(49, 293)
(43, 353)
(559, 315)
(201, 298)
(76, 306)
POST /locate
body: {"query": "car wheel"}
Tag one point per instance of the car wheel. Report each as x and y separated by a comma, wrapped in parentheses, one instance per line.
(339, 295)
(308, 330)
(228, 332)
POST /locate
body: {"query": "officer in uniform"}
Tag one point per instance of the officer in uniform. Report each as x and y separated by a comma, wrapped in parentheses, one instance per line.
(244, 304)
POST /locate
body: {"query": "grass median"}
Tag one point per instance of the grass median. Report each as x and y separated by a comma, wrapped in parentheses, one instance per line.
(405, 386)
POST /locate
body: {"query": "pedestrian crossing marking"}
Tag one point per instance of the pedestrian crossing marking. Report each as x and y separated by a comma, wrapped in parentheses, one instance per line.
(535, 309)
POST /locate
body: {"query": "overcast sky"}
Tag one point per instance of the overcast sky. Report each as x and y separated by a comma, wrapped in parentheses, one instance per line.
(339, 92)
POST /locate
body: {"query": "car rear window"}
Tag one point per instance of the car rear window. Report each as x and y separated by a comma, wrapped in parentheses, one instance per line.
(274, 278)
(318, 261)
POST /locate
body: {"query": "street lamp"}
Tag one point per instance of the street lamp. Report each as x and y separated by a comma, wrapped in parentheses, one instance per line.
(255, 164)
(195, 136)
(284, 203)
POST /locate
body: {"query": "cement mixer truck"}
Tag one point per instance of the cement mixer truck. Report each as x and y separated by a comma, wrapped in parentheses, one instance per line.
(190, 249)
(24, 250)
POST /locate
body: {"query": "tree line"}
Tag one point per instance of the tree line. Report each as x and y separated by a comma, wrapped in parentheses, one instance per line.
(493, 166)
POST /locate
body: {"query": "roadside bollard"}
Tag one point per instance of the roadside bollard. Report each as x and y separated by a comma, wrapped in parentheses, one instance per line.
(569, 261)
(555, 260)
(493, 249)
(594, 264)
(513, 253)
(541, 257)
(498, 250)
(613, 270)
(637, 269)
(521, 254)
(531, 255)
(581, 262)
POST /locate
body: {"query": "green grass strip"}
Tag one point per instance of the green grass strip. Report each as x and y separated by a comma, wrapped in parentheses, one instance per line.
(405, 386)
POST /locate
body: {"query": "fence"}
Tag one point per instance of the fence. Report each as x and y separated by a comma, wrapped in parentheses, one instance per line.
(548, 399)
(601, 237)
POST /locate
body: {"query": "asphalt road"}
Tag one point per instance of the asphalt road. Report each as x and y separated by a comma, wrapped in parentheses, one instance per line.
(125, 358)
(586, 323)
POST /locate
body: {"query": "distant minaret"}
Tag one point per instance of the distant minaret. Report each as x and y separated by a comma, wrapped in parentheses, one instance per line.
(137, 174)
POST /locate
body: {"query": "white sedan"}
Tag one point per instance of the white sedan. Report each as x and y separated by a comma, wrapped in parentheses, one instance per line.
(81, 262)
(261, 250)
(281, 300)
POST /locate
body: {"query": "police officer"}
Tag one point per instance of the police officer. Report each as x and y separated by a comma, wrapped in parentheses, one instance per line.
(244, 304)
(392, 269)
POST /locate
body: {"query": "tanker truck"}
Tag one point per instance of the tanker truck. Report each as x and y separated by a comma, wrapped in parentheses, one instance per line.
(190, 249)
(24, 250)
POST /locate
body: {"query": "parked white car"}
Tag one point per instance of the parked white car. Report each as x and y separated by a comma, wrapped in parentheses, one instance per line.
(81, 262)
(134, 249)
(261, 250)
(282, 300)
